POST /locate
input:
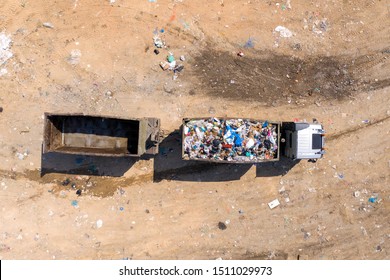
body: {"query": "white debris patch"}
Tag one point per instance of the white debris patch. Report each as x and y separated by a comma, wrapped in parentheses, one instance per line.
(74, 57)
(283, 31)
(5, 48)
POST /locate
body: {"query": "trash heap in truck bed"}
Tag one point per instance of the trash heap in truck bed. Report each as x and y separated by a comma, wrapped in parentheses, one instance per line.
(236, 140)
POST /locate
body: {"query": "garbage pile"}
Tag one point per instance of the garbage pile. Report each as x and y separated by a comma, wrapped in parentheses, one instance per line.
(230, 140)
(170, 63)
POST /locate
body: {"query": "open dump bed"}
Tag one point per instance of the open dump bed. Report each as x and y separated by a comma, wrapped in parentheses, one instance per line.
(230, 140)
(96, 135)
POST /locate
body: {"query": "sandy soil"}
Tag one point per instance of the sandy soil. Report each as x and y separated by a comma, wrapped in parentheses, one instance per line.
(98, 59)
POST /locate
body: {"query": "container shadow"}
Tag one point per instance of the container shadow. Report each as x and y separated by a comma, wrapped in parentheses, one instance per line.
(85, 165)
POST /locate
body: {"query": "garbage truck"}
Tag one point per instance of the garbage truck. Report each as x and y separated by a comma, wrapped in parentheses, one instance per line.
(238, 140)
(100, 135)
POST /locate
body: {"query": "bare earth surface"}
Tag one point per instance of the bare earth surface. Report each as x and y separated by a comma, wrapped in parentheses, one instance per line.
(98, 59)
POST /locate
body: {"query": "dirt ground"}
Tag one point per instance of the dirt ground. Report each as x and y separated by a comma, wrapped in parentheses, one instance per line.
(97, 57)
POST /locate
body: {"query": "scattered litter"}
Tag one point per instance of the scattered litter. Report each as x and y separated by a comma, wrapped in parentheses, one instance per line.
(378, 248)
(250, 43)
(319, 26)
(74, 57)
(170, 58)
(20, 156)
(373, 199)
(365, 121)
(240, 211)
(5, 45)
(222, 226)
(99, 223)
(283, 31)
(156, 51)
(164, 65)
(121, 208)
(75, 203)
(185, 24)
(78, 192)
(112, 1)
(274, 203)
(230, 139)
(62, 194)
(241, 54)
(364, 231)
(178, 68)
(340, 176)
(356, 194)
(288, 4)
(66, 182)
(182, 58)
(48, 25)
(158, 42)
(306, 235)
(227, 222)
(152, 1)
(3, 72)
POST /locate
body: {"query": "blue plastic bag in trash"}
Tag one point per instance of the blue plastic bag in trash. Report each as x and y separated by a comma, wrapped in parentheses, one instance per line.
(237, 140)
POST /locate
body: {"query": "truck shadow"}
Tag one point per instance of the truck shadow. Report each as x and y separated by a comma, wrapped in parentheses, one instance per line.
(276, 168)
(169, 165)
(85, 165)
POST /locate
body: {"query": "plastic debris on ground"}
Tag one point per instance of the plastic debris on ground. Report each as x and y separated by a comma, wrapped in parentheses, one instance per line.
(372, 199)
(48, 25)
(250, 43)
(222, 226)
(283, 31)
(74, 57)
(99, 223)
(274, 203)
(75, 203)
(237, 140)
(5, 52)
(158, 42)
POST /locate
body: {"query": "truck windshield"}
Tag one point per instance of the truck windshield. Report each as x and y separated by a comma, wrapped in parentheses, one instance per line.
(317, 141)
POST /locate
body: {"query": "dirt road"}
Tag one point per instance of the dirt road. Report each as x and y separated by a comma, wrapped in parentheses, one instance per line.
(98, 58)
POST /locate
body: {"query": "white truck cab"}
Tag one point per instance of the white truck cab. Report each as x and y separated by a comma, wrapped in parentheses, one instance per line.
(303, 140)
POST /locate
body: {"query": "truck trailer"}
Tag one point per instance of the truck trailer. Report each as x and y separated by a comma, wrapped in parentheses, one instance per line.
(239, 140)
(100, 135)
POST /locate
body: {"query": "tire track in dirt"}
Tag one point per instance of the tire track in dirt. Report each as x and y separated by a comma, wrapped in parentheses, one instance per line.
(355, 129)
